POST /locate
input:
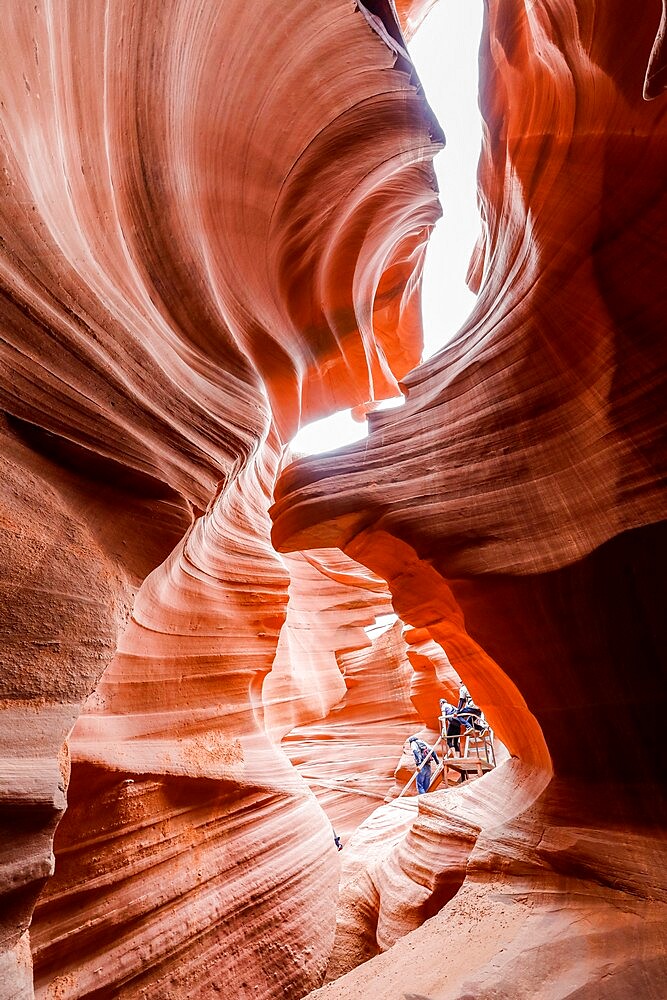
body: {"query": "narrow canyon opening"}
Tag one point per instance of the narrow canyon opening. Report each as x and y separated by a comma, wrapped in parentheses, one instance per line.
(445, 52)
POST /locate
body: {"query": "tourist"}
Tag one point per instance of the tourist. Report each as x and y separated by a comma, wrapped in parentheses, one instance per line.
(423, 755)
(452, 727)
(468, 712)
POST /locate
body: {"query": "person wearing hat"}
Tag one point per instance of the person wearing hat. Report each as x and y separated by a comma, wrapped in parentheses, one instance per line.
(423, 755)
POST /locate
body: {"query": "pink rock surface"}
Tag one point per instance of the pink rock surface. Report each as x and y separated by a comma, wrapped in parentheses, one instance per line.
(332, 601)
(515, 507)
(349, 757)
(213, 226)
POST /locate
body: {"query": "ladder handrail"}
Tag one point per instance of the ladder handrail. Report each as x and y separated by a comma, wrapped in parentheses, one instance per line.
(439, 769)
(485, 737)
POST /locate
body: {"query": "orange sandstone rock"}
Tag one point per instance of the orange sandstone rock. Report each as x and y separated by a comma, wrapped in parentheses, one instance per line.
(516, 509)
(213, 228)
(213, 225)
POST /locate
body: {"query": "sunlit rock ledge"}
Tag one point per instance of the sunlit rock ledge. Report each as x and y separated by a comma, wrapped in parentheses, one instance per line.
(214, 222)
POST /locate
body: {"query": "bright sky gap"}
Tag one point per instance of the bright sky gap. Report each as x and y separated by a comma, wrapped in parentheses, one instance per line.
(445, 52)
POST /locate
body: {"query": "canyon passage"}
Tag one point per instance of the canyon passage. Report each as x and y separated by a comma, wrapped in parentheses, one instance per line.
(213, 225)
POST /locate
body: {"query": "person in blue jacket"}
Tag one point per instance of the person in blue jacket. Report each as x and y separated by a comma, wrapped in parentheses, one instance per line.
(424, 756)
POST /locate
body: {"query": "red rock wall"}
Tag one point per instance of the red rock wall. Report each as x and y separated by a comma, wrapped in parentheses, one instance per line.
(332, 600)
(515, 508)
(549, 402)
(213, 227)
(349, 757)
(73, 548)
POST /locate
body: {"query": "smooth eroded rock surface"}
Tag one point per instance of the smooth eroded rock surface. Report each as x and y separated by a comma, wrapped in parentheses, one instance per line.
(515, 507)
(213, 223)
(212, 229)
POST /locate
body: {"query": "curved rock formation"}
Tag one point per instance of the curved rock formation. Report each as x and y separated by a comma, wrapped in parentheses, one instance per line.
(349, 757)
(213, 226)
(515, 506)
(214, 223)
(401, 867)
(332, 602)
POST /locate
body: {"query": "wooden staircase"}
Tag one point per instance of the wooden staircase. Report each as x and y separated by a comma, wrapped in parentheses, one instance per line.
(478, 758)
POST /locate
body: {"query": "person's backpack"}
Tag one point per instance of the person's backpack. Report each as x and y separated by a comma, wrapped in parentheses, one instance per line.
(424, 751)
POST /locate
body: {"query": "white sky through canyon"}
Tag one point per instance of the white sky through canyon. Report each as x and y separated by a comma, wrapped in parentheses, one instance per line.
(444, 51)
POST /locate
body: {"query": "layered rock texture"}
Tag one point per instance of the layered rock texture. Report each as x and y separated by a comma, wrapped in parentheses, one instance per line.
(515, 507)
(213, 224)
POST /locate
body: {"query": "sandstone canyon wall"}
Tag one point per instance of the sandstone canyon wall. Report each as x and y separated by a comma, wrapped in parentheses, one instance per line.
(214, 218)
(515, 506)
(213, 227)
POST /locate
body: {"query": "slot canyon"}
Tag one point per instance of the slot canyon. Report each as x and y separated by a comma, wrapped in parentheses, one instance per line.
(213, 226)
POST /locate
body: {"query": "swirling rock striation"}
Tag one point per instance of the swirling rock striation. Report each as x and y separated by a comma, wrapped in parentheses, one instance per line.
(213, 225)
(349, 756)
(515, 506)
